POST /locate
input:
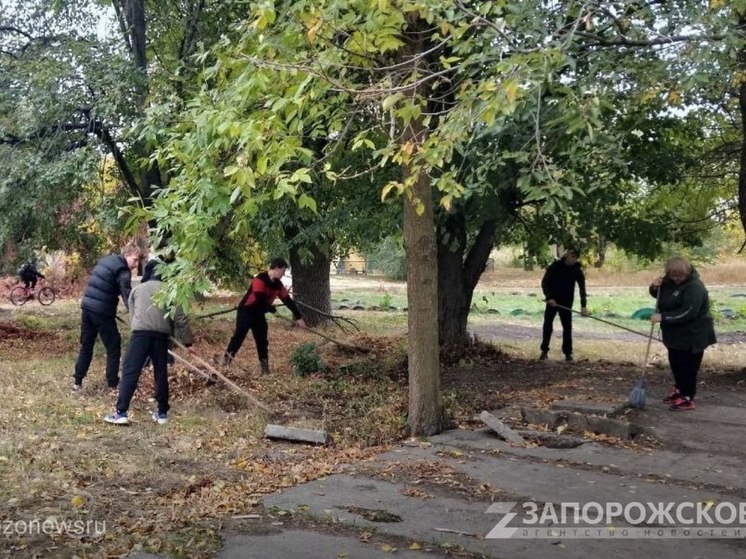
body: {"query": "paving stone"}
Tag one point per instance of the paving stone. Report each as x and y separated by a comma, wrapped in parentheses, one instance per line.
(590, 408)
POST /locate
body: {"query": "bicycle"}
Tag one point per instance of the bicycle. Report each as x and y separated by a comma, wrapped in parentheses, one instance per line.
(20, 294)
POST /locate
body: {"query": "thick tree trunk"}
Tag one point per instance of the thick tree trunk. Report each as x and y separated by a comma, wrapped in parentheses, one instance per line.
(135, 14)
(425, 405)
(454, 299)
(420, 243)
(311, 284)
(457, 279)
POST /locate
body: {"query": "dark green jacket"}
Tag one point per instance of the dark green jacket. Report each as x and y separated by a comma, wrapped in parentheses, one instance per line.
(685, 310)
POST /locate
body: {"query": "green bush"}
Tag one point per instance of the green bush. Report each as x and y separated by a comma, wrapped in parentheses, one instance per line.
(306, 360)
(30, 322)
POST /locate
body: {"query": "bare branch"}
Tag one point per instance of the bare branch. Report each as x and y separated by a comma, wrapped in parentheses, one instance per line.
(620, 41)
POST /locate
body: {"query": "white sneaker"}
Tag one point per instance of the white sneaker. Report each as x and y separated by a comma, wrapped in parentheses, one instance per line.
(77, 387)
(117, 418)
(160, 418)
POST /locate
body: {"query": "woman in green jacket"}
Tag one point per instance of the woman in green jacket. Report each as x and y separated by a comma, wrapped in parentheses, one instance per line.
(687, 326)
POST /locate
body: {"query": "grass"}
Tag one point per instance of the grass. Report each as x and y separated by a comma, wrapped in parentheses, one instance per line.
(172, 489)
(512, 293)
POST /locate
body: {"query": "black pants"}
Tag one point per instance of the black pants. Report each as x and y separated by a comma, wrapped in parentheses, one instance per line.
(144, 345)
(566, 320)
(91, 325)
(685, 368)
(29, 281)
(256, 322)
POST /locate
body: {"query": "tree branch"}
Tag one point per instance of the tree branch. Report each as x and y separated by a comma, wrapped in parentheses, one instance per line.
(620, 41)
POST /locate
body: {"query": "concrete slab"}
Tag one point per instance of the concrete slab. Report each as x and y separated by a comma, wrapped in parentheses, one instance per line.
(581, 422)
(501, 429)
(590, 408)
(701, 459)
(423, 520)
(725, 473)
(297, 434)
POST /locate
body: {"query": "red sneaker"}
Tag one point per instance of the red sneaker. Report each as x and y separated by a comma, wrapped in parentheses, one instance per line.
(673, 396)
(683, 404)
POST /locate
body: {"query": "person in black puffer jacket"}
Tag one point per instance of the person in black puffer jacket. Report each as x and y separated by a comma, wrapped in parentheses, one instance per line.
(110, 279)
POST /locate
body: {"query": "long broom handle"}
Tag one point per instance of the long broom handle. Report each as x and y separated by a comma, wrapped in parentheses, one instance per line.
(652, 327)
(643, 334)
(222, 377)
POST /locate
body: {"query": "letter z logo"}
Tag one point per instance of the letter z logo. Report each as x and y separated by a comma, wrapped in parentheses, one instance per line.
(501, 530)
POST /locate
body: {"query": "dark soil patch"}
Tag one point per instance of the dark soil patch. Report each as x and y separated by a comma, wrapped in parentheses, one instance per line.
(12, 330)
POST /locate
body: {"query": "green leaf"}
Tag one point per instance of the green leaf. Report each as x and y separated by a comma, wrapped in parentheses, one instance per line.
(305, 201)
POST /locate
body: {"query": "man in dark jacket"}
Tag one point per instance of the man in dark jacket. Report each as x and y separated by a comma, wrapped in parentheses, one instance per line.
(29, 275)
(110, 279)
(558, 285)
(265, 288)
(687, 327)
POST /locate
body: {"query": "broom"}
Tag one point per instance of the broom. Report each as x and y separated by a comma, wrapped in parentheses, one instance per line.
(637, 396)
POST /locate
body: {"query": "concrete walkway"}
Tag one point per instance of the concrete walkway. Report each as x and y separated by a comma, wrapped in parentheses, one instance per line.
(431, 498)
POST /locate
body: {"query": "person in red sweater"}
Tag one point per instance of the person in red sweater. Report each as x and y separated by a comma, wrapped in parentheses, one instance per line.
(258, 300)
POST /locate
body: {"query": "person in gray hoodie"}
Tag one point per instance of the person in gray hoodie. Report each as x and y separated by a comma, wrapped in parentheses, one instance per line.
(151, 329)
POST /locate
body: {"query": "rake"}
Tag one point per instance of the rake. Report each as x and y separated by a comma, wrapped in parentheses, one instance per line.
(349, 347)
(217, 374)
(610, 323)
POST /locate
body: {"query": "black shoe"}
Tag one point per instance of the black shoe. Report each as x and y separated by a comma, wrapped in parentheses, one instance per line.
(544, 356)
(569, 358)
(212, 381)
(264, 366)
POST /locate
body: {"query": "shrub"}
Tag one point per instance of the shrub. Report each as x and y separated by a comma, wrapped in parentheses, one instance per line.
(306, 360)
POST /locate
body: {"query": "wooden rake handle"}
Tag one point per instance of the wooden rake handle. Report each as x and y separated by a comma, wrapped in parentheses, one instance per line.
(222, 377)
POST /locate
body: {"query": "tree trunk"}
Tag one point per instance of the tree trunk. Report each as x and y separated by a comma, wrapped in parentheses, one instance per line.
(454, 300)
(600, 253)
(311, 284)
(457, 279)
(420, 243)
(742, 105)
(425, 406)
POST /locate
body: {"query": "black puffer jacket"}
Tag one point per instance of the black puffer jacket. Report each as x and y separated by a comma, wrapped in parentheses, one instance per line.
(110, 279)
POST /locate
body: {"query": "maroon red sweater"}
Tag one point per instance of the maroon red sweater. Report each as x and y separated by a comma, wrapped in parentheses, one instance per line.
(262, 293)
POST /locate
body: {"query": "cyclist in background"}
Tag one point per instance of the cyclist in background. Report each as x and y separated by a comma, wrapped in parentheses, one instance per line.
(29, 275)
